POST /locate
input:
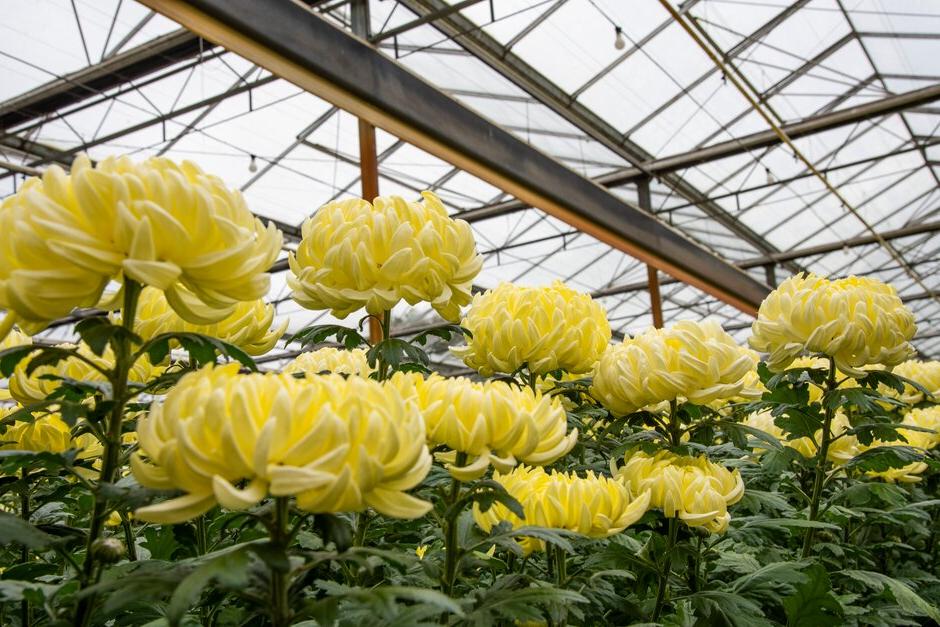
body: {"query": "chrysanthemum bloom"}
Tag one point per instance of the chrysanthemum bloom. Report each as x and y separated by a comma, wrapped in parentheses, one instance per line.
(162, 224)
(595, 506)
(696, 361)
(248, 326)
(545, 328)
(491, 423)
(857, 321)
(926, 373)
(329, 359)
(33, 388)
(45, 434)
(693, 489)
(335, 444)
(13, 339)
(358, 255)
(925, 418)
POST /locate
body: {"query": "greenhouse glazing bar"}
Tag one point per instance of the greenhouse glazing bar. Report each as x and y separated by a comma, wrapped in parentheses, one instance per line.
(293, 43)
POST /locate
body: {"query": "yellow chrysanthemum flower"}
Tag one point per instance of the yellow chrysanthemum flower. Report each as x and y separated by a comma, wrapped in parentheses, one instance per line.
(697, 361)
(925, 418)
(335, 444)
(857, 321)
(595, 506)
(329, 359)
(13, 339)
(248, 326)
(34, 388)
(926, 373)
(693, 489)
(45, 434)
(162, 224)
(358, 255)
(491, 423)
(545, 328)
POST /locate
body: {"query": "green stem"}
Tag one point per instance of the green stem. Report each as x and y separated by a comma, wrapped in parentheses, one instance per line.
(386, 324)
(667, 569)
(202, 536)
(451, 542)
(280, 581)
(561, 567)
(130, 540)
(533, 381)
(25, 618)
(675, 427)
(822, 454)
(362, 525)
(110, 466)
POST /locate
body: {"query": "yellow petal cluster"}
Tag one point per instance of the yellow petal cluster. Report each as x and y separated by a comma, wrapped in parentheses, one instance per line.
(163, 224)
(247, 327)
(595, 506)
(45, 434)
(693, 489)
(926, 373)
(490, 423)
(697, 361)
(358, 255)
(335, 444)
(856, 320)
(330, 359)
(545, 328)
(33, 387)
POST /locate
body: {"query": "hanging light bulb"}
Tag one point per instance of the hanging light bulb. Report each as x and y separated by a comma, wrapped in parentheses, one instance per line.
(253, 164)
(619, 42)
(770, 176)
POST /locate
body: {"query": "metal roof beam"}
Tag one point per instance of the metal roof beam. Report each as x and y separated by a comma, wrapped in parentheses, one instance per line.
(305, 49)
(115, 71)
(762, 139)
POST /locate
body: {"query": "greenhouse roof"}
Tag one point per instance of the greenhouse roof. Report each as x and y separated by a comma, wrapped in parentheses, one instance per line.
(113, 77)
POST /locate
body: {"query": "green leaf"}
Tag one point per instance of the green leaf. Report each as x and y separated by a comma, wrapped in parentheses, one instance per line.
(395, 352)
(883, 458)
(770, 576)
(202, 349)
(229, 570)
(486, 493)
(908, 600)
(813, 604)
(350, 338)
(12, 590)
(15, 529)
(759, 434)
(445, 332)
(10, 357)
(97, 332)
(788, 523)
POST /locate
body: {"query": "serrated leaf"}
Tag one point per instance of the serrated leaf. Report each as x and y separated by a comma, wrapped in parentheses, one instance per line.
(445, 332)
(349, 338)
(908, 600)
(229, 569)
(12, 590)
(813, 604)
(882, 458)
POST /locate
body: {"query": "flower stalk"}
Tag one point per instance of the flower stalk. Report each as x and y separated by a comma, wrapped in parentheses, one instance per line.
(110, 468)
(822, 456)
(280, 580)
(451, 541)
(675, 438)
